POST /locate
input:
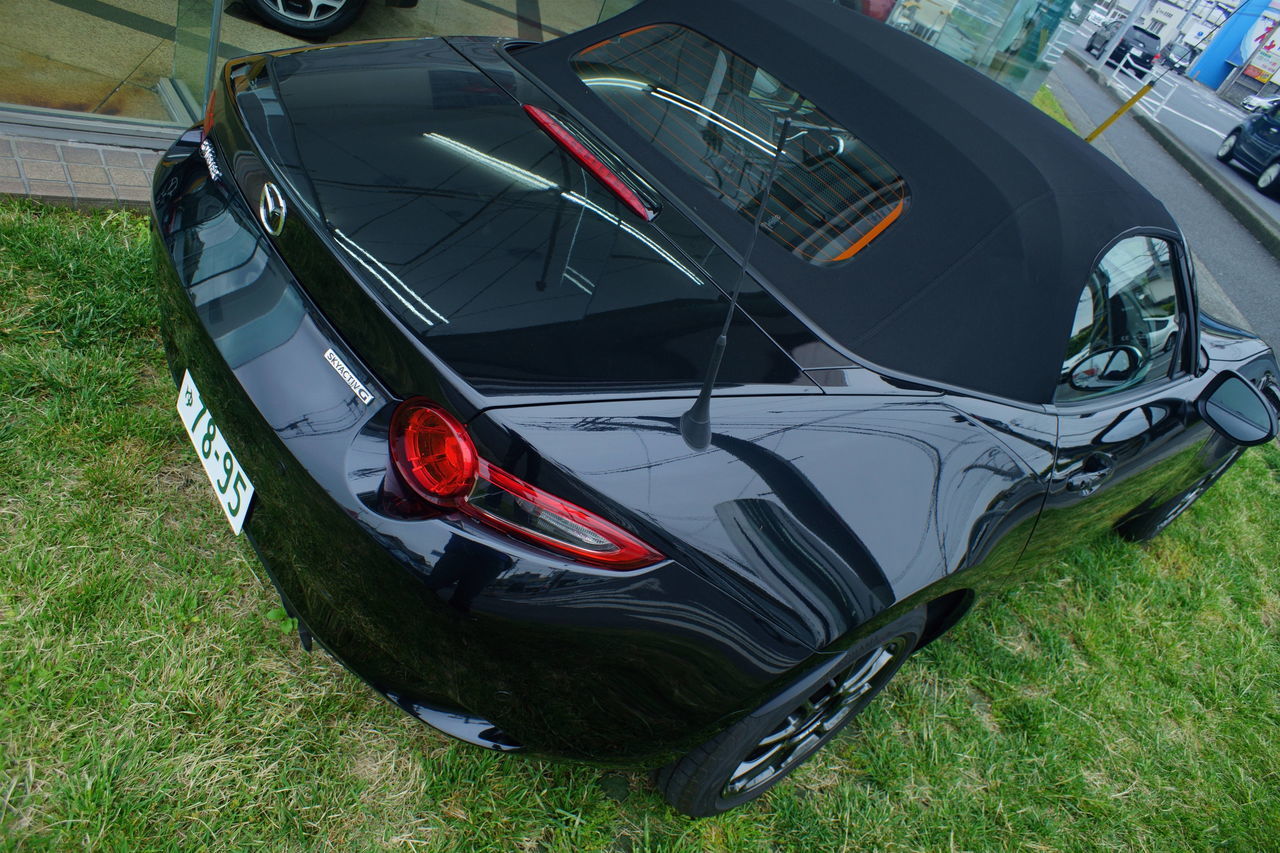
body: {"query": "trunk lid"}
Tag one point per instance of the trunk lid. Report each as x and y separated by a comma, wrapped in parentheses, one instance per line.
(443, 228)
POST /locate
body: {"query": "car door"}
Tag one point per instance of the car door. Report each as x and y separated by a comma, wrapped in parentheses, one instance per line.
(1130, 434)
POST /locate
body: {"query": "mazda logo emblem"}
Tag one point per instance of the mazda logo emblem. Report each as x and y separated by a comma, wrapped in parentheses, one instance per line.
(272, 209)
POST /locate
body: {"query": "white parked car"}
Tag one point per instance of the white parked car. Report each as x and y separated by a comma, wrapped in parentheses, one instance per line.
(1253, 103)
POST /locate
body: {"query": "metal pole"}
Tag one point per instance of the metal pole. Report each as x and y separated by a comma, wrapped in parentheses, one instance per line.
(1137, 11)
(1137, 96)
(215, 39)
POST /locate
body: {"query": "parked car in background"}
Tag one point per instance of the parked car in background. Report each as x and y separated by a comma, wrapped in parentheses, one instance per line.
(1254, 145)
(447, 319)
(1138, 49)
(1179, 57)
(1254, 103)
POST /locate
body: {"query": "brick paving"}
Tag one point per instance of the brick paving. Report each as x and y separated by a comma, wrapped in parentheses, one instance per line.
(76, 173)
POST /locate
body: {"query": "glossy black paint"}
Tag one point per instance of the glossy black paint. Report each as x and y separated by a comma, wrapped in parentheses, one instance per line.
(520, 242)
(438, 612)
(832, 497)
(771, 511)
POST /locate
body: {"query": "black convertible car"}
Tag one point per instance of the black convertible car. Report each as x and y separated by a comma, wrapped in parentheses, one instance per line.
(647, 396)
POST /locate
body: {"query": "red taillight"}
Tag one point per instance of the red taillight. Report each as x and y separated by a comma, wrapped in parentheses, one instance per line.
(593, 164)
(208, 117)
(433, 452)
(436, 458)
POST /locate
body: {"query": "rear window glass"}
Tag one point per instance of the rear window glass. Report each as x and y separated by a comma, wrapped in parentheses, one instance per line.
(1149, 40)
(719, 117)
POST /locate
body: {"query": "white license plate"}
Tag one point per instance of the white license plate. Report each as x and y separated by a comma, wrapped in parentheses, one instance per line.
(228, 479)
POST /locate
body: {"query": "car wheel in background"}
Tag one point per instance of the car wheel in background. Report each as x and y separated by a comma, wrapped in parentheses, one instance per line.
(1268, 182)
(307, 18)
(1227, 149)
(758, 751)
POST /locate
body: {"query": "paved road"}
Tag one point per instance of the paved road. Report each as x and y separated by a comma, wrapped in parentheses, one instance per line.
(1229, 258)
(1198, 117)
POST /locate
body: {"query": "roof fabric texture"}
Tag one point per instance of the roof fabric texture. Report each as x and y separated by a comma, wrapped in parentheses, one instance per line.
(976, 285)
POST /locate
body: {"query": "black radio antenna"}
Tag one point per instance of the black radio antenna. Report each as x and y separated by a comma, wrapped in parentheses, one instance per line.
(695, 424)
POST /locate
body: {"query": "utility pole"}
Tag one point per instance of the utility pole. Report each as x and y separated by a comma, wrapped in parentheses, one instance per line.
(1139, 9)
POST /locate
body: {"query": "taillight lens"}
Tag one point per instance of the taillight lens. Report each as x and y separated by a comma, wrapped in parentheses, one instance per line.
(589, 161)
(436, 458)
(433, 452)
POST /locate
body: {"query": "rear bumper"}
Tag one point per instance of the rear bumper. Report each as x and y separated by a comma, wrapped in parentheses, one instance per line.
(458, 625)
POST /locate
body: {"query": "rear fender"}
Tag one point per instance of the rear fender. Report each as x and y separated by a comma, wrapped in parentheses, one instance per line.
(823, 516)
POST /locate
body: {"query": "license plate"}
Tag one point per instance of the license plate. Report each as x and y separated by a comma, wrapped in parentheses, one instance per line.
(228, 479)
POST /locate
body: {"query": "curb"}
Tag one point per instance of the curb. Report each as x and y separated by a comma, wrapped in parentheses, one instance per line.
(81, 203)
(1264, 229)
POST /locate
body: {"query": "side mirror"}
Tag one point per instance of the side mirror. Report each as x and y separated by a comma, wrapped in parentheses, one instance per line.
(1237, 410)
(1106, 369)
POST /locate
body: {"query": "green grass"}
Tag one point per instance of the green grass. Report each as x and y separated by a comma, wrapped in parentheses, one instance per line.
(1127, 699)
(1045, 101)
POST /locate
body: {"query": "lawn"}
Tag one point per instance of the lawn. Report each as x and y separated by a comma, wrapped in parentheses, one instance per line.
(1128, 698)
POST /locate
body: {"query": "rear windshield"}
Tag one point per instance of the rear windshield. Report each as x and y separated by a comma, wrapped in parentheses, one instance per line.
(719, 117)
(1149, 41)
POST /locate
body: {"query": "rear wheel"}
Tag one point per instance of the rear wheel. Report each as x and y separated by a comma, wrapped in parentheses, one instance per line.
(757, 752)
(1268, 182)
(1227, 150)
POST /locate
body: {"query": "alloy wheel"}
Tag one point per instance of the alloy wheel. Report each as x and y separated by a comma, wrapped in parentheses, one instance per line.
(825, 709)
(1269, 176)
(308, 10)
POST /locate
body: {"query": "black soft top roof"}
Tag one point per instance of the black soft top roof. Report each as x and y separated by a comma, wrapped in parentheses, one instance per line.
(977, 284)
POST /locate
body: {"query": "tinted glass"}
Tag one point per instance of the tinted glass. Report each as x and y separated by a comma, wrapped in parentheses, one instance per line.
(720, 118)
(1129, 306)
(1149, 41)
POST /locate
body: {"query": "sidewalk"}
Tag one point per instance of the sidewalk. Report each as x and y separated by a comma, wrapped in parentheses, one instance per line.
(76, 173)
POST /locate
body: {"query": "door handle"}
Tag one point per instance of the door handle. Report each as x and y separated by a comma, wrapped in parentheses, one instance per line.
(1095, 470)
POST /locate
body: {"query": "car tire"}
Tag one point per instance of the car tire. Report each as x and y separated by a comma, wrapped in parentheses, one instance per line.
(1268, 181)
(760, 750)
(1227, 150)
(307, 19)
